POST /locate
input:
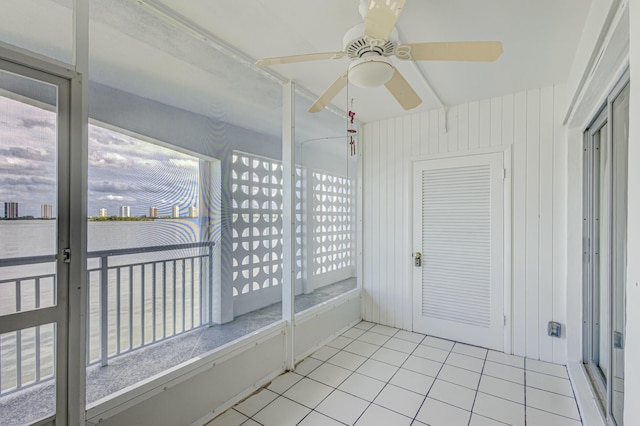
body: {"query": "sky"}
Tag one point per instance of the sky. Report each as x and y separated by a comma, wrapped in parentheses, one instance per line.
(122, 170)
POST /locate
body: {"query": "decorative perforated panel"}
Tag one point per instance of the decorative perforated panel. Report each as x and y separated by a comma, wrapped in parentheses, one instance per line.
(256, 186)
(333, 227)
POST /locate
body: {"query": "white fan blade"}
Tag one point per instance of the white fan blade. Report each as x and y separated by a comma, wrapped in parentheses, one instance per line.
(329, 94)
(473, 51)
(381, 18)
(402, 91)
(299, 58)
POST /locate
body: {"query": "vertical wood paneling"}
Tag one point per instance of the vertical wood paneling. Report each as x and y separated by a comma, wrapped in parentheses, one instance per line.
(485, 123)
(453, 129)
(530, 122)
(376, 147)
(532, 221)
(474, 125)
(560, 196)
(434, 132)
(545, 249)
(496, 122)
(400, 139)
(519, 253)
(463, 127)
(507, 120)
(443, 134)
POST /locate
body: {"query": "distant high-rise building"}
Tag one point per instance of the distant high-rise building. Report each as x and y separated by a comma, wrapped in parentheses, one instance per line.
(193, 212)
(10, 210)
(125, 211)
(175, 211)
(103, 212)
(46, 211)
(153, 212)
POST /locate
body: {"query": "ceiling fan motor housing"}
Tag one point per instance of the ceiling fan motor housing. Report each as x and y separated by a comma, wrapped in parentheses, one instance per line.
(357, 45)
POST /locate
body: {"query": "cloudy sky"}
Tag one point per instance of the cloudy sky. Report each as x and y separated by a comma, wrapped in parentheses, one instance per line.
(122, 170)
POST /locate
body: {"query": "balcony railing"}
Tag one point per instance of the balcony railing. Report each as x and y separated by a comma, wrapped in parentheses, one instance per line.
(136, 297)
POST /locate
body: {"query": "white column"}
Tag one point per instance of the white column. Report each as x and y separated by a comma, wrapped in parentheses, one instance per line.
(288, 219)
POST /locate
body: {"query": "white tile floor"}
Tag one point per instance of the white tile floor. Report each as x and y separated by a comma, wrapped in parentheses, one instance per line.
(377, 375)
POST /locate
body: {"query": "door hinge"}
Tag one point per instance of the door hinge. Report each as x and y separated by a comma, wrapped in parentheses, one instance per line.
(504, 319)
(504, 174)
(64, 256)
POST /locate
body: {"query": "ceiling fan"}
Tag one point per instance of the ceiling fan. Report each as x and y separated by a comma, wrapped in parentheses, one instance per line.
(370, 45)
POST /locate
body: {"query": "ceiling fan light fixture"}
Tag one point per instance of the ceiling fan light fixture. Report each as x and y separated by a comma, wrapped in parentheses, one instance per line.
(370, 71)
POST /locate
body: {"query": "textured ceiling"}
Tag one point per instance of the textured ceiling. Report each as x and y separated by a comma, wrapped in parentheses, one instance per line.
(135, 50)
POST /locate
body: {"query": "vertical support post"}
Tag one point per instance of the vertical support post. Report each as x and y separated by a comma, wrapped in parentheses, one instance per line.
(288, 219)
(104, 310)
(74, 412)
(209, 284)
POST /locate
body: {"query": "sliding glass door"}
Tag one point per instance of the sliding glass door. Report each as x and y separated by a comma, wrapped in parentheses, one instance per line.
(605, 196)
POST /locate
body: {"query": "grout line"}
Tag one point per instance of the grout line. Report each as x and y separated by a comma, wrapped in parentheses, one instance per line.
(478, 389)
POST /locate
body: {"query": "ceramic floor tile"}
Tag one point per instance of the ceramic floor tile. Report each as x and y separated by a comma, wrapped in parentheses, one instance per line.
(339, 342)
(465, 361)
(537, 417)
(499, 409)
(307, 366)
(505, 372)
(383, 329)
(308, 392)
(283, 382)
(502, 358)
(546, 368)
(374, 338)
(502, 388)
(364, 325)
(436, 413)
(347, 360)
(256, 402)
(251, 422)
(362, 386)
(408, 335)
(330, 375)
(353, 333)
(281, 412)
(343, 407)
(469, 350)
(478, 420)
(452, 394)
(324, 353)
(459, 376)
(390, 356)
(398, 344)
(422, 366)
(361, 348)
(400, 400)
(439, 343)
(431, 353)
(412, 381)
(380, 416)
(552, 402)
(377, 370)
(549, 383)
(229, 418)
(316, 419)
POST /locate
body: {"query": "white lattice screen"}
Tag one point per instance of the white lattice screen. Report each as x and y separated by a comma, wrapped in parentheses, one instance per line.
(256, 186)
(333, 229)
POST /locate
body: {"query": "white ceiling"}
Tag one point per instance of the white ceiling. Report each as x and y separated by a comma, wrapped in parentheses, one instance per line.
(134, 50)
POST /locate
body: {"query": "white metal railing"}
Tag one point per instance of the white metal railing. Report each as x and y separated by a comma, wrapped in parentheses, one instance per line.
(136, 297)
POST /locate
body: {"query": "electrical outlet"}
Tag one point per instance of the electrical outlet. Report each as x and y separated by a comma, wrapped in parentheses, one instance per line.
(554, 329)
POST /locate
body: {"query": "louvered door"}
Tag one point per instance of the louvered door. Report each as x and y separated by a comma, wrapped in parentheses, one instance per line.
(458, 229)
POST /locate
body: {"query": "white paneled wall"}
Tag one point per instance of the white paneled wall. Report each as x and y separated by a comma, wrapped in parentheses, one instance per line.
(529, 123)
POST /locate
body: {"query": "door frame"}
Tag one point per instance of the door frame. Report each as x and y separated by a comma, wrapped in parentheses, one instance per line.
(507, 219)
(69, 311)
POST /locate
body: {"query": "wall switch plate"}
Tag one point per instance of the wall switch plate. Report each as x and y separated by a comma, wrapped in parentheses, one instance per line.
(554, 329)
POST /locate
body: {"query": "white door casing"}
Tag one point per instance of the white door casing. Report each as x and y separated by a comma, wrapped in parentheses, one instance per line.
(458, 227)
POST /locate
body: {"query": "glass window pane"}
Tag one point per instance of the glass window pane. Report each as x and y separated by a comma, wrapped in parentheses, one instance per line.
(620, 123)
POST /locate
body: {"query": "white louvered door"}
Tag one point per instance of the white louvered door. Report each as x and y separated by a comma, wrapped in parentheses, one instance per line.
(458, 229)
